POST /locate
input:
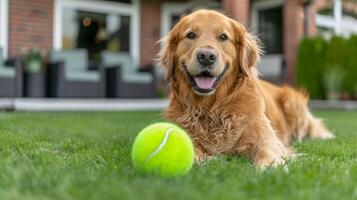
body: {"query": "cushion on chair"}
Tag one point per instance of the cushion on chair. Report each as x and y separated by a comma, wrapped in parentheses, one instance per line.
(7, 72)
(74, 60)
(85, 76)
(1, 57)
(129, 71)
(122, 59)
(143, 78)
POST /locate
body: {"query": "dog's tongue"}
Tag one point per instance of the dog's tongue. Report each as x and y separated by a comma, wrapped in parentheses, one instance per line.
(204, 82)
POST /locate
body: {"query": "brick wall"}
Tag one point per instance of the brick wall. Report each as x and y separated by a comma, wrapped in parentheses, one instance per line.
(238, 10)
(149, 31)
(30, 25)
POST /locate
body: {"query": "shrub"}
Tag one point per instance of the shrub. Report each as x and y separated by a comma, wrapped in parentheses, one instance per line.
(335, 54)
(310, 62)
(325, 66)
(350, 81)
(332, 78)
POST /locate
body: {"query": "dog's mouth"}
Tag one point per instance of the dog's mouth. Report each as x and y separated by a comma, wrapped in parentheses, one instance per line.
(205, 82)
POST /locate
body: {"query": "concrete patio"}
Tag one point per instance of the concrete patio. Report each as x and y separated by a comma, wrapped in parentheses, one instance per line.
(57, 105)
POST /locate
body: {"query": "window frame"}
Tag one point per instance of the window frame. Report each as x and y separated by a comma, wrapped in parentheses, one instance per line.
(4, 24)
(176, 8)
(270, 65)
(263, 5)
(341, 24)
(118, 8)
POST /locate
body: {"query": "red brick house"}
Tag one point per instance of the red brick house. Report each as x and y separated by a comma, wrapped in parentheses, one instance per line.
(136, 25)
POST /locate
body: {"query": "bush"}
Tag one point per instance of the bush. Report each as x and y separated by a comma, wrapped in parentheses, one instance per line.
(332, 79)
(350, 82)
(310, 63)
(318, 59)
(335, 54)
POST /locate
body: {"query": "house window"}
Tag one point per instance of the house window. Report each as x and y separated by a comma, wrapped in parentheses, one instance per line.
(270, 29)
(172, 11)
(95, 31)
(4, 26)
(267, 23)
(97, 25)
(174, 20)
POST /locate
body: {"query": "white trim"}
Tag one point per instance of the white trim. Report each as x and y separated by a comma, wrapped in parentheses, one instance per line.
(325, 21)
(133, 10)
(348, 25)
(4, 23)
(168, 9)
(258, 5)
(135, 40)
(337, 13)
(341, 24)
(57, 26)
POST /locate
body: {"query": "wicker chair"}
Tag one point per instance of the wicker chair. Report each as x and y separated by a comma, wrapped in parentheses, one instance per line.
(69, 77)
(124, 80)
(10, 77)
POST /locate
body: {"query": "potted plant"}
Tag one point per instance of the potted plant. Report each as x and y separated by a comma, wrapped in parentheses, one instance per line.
(34, 79)
(33, 60)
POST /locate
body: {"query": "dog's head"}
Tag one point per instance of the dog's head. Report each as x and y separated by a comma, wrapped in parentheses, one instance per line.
(205, 50)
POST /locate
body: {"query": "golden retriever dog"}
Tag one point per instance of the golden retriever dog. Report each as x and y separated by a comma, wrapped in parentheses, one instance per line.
(217, 97)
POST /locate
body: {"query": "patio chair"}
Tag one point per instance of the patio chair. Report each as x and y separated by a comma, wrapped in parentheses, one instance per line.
(69, 77)
(124, 80)
(10, 77)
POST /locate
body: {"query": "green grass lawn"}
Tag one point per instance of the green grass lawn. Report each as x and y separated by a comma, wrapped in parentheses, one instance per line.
(87, 156)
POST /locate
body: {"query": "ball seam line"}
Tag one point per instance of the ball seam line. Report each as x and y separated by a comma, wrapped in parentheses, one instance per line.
(161, 145)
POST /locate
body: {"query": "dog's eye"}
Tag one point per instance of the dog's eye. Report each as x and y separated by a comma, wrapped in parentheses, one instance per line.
(223, 37)
(191, 35)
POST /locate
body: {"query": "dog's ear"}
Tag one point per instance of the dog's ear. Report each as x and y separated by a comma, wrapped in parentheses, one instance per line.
(248, 50)
(167, 53)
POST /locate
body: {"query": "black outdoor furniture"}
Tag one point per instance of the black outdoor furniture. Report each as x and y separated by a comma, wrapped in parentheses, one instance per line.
(68, 75)
(34, 85)
(124, 79)
(10, 77)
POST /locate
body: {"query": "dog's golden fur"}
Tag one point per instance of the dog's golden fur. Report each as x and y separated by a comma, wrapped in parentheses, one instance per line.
(243, 115)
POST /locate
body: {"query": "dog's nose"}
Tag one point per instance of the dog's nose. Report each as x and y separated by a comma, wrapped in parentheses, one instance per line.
(206, 56)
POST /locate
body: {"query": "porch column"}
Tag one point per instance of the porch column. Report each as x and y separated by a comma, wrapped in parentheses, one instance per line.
(150, 31)
(238, 10)
(293, 22)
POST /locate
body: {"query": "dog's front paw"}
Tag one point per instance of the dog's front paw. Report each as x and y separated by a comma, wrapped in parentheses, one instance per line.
(267, 162)
(271, 155)
(204, 159)
(201, 158)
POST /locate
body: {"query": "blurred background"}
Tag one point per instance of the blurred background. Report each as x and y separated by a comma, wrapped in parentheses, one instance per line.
(106, 48)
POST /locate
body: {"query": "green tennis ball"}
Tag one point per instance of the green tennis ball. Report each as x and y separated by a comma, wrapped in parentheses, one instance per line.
(163, 149)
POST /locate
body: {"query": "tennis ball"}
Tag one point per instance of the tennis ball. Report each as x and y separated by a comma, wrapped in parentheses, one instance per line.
(163, 149)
